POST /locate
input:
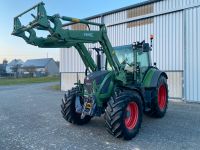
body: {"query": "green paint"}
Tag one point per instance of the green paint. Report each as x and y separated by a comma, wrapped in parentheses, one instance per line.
(148, 77)
(63, 38)
(101, 97)
(60, 37)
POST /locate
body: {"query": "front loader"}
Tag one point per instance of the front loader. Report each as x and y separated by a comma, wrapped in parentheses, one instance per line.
(127, 87)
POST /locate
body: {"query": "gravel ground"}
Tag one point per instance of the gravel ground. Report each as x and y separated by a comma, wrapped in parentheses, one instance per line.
(30, 118)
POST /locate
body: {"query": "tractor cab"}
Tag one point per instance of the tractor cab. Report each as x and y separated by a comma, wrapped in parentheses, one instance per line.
(135, 58)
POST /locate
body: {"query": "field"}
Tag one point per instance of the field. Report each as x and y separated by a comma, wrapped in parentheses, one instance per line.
(14, 81)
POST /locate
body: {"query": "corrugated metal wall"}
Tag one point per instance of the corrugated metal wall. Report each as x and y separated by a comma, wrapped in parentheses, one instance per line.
(192, 54)
(70, 60)
(171, 50)
(68, 79)
(173, 4)
(168, 41)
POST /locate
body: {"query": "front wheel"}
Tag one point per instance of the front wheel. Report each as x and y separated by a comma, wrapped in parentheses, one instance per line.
(123, 115)
(68, 109)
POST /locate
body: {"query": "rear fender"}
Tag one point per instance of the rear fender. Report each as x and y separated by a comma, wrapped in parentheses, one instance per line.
(150, 83)
(151, 77)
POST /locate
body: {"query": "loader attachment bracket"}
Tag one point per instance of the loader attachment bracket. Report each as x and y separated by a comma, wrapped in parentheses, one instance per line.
(60, 37)
(40, 22)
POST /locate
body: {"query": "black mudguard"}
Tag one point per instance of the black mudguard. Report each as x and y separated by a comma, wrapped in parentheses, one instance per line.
(152, 76)
(156, 76)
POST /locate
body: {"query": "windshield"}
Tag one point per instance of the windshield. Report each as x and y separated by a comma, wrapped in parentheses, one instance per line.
(125, 56)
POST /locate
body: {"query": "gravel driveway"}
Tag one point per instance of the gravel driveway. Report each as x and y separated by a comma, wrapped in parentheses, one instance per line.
(30, 118)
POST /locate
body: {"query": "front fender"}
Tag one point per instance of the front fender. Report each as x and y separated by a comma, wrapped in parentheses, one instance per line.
(105, 89)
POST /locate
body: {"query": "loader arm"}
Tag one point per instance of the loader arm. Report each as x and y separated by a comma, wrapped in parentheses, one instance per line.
(64, 38)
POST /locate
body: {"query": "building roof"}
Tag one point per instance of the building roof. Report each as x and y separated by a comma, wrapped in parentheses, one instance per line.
(15, 62)
(38, 63)
(118, 10)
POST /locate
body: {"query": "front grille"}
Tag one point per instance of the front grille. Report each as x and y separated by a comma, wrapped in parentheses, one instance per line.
(96, 77)
(88, 87)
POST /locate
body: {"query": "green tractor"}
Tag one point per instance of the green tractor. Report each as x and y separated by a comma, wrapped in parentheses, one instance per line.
(127, 87)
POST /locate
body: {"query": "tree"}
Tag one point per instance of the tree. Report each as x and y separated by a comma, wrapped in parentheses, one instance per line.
(3, 68)
(15, 69)
(5, 62)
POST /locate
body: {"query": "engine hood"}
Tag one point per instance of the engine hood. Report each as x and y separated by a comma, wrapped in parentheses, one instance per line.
(97, 76)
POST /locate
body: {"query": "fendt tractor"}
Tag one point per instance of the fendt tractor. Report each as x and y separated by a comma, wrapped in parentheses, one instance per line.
(127, 87)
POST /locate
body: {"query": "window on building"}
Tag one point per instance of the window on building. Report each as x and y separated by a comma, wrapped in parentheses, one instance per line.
(79, 26)
(140, 11)
(140, 23)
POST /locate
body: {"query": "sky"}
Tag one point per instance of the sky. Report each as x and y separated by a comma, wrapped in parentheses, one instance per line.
(12, 47)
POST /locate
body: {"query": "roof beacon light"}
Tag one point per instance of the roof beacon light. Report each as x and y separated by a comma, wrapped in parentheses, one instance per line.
(151, 38)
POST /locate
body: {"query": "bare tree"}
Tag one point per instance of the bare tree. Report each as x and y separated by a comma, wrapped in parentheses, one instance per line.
(5, 62)
(3, 68)
(15, 70)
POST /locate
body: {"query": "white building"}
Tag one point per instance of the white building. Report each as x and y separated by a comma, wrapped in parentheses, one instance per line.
(14, 63)
(175, 25)
(40, 67)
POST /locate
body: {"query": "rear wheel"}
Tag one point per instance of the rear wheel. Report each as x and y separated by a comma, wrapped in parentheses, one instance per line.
(160, 100)
(68, 109)
(123, 115)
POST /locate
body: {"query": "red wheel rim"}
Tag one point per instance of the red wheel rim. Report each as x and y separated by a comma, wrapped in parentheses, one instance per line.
(162, 97)
(131, 115)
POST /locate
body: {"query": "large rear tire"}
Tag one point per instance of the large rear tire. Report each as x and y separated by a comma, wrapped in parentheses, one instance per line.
(68, 109)
(160, 100)
(123, 115)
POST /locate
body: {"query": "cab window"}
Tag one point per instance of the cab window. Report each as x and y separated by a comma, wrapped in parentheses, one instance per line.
(143, 61)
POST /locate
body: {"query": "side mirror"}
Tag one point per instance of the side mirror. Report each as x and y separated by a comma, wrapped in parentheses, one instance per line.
(146, 47)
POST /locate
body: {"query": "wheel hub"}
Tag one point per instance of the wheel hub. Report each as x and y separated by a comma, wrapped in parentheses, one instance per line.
(162, 97)
(131, 115)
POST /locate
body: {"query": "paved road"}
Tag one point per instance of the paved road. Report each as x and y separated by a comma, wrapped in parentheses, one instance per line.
(30, 119)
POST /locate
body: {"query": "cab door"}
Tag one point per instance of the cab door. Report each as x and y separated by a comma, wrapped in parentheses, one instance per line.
(143, 63)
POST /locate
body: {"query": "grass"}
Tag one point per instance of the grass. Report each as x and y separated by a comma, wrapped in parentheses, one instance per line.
(12, 81)
(55, 87)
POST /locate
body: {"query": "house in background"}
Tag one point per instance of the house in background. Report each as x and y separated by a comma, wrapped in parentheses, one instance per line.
(39, 67)
(3, 68)
(12, 69)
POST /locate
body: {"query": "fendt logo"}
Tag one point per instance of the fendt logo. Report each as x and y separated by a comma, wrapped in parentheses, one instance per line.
(88, 34)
